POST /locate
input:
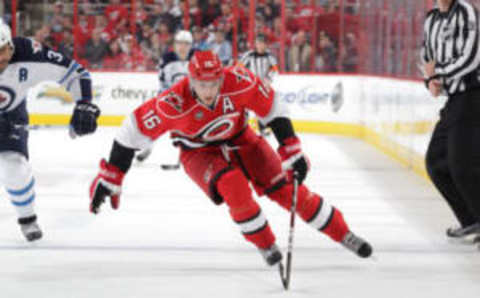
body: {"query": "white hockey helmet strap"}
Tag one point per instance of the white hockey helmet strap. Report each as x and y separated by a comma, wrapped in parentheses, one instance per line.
(5, 35)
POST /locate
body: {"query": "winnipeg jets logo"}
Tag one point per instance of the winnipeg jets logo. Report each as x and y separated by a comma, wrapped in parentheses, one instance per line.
(36, 46)
(7, 97)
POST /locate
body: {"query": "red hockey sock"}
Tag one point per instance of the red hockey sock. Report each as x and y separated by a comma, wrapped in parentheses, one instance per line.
(314, 210)
(235, 191)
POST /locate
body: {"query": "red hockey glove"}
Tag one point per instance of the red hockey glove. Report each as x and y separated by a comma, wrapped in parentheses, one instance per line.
(293, 159)
(108, 183)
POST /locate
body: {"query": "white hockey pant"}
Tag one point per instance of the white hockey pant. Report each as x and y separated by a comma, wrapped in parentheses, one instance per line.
(17, 177)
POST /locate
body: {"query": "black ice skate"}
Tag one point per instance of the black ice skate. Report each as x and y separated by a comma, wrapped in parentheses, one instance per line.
(30, 228)
(461, 232)
(357, 245)
(271, 255)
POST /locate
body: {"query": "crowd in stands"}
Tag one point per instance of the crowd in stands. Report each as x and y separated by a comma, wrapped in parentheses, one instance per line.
(108, 36)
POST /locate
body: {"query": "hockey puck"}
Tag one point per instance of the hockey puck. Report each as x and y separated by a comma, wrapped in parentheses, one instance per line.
(170, 167)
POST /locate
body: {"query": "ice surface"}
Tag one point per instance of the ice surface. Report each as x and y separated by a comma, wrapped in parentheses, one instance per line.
(168, 240)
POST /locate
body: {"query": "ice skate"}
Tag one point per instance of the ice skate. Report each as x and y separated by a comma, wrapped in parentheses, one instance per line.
(462, 232)
(271, 255)
(30, 228)
(357, 245)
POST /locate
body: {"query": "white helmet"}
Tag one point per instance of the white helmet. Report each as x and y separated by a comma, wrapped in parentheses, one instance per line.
(184, 36)
(5, 35)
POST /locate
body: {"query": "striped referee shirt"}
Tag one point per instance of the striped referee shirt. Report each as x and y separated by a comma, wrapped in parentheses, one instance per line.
(451, 39)
(263, 65)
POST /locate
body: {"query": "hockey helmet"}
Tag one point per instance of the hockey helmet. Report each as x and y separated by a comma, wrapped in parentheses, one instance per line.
(184, 36)
(5, 35)
(205, 66)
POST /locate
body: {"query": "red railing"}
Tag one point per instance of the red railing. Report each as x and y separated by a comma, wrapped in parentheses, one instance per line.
(380, 37)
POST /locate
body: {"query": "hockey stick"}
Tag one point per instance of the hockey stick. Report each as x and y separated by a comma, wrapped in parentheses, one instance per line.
(172, 166)
(167, 167)
(285, 273)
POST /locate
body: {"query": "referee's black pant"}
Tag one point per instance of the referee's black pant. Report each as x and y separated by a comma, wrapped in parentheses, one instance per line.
(453, 156)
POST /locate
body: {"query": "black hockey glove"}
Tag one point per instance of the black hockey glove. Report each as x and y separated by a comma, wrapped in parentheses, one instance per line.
(84, 118)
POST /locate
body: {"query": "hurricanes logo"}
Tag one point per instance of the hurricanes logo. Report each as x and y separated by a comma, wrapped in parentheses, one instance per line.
(219, 129)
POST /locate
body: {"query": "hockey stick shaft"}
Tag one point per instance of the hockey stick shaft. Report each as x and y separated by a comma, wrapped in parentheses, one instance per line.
(288, 268)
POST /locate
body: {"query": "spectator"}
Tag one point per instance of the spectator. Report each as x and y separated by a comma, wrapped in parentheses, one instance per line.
(275, 6)
(82, 31)
(277, 32)
(327, 54)
(292, 22)
(101, 22)
(144, 35)
(350, 53)
(115, 59)
(304, 13)
(199, 41)
(66, 45)
(195, 13)
(135, 58)
(141, 13)
(225, 21)
(263, 28)
(160, 16)
(158, 48)
(174, 10)
(222, 47)
(164, 35)
(56, 21)
(332, 7)
(96, 49)
(211, 11)
(300, 53)
(42, 35)
(117, 16)
(265, 11)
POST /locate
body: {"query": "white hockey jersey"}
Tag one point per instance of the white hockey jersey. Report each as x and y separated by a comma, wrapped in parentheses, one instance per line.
(172, 69)
(33, 63)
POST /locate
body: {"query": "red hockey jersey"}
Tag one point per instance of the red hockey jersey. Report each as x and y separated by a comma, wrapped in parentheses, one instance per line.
(194, 124)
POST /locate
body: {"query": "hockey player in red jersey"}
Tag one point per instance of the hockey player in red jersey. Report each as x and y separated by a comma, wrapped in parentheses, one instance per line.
(205, 114)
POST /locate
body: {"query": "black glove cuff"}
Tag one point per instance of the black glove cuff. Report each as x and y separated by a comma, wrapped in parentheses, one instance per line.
(121, 156)
(282, 129)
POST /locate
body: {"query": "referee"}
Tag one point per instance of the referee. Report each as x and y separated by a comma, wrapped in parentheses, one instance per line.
(263, 64)
(451, 57)
(260, 61)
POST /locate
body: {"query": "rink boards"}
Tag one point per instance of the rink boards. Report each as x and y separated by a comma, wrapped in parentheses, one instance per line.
(396, 116)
